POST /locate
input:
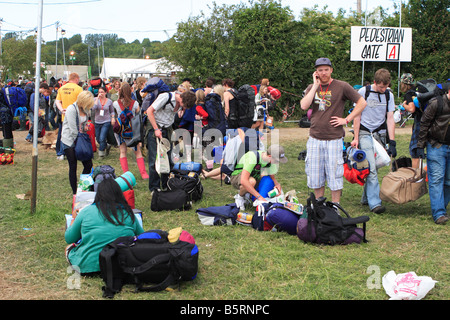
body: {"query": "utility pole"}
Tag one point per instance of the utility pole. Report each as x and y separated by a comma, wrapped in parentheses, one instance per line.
(56, 59)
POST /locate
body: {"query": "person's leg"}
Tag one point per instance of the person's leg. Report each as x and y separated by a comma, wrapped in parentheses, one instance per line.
(29, 136)
(371, 193)
(437, 172)
(315, 167)
(334, 167)
(72, 160)
(154, 180)
(141, 163)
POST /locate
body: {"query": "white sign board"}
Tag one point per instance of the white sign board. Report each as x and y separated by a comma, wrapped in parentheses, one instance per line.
(381, 44)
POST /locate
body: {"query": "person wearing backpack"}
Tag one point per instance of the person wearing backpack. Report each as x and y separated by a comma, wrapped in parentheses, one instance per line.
(107, 219)
(125, 105)
(434, 135)
(376, 120)
(230, 103)
(161, 116)
(327, 97)
(6, 120)
(44, 92)
(408, 88)
(75, 121)
(249, 169)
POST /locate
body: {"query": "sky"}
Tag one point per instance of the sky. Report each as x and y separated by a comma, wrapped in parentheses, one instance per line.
(135, 19)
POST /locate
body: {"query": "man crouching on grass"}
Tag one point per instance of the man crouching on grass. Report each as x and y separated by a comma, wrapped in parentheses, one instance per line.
(251, 167)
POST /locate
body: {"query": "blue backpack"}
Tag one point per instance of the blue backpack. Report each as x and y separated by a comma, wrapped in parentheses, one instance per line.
(153, 87)
(15, 97)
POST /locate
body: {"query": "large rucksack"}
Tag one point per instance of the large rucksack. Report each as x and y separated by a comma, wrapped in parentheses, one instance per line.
(245, 97)
(153, 87)
(216, 114)
(324, 225)
(426, 90)
(155, 257)
(95, 85)
(15, 97)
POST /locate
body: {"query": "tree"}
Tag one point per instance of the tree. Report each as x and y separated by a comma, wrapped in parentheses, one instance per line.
(430, 20)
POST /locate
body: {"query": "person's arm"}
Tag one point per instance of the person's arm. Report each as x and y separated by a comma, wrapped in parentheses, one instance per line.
(151, 118)
(356, 127)
(277, 184)
(226, 100)
(357, 110)
(308, 99)
(73, 233)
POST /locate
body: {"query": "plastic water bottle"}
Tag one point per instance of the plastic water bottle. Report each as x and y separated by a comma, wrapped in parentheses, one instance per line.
(244, 216)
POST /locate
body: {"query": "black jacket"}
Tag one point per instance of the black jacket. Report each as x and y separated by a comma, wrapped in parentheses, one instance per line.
(434, 124)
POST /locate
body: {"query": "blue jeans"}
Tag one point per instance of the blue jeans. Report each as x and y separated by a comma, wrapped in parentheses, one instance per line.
(101, 133)
(59, 144)
(155, 181)
(371, 193)
(438, 167)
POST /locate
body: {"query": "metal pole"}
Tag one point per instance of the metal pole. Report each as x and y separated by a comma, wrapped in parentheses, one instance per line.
(398, 78)
(36, 111)
(363, 64)
(56, 59)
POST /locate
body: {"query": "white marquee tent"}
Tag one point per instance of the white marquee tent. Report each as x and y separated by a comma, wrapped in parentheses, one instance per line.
(126, 69)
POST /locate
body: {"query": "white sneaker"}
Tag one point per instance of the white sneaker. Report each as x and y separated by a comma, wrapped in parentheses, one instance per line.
(240, 202)
(61, 157)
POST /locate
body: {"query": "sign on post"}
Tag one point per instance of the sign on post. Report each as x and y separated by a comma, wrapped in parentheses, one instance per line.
(381, 44)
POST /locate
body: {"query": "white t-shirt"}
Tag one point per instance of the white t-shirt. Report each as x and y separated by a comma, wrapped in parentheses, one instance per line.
(374, 114)
(164, 110)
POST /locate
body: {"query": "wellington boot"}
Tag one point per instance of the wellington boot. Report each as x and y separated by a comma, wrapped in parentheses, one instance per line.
(101, 154)
(8, 143)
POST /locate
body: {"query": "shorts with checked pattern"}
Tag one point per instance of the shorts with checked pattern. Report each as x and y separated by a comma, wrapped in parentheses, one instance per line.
(325, 163)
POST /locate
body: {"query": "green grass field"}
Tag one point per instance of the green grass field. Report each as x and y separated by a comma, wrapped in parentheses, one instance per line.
(235, 262)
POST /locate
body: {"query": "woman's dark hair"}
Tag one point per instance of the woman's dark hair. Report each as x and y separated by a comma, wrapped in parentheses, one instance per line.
(110, 201)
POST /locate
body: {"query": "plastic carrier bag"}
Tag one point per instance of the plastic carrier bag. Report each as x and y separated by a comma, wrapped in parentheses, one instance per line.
(407, 286)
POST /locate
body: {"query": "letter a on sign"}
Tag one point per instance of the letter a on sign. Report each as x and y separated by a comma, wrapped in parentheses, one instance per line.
(393, 52)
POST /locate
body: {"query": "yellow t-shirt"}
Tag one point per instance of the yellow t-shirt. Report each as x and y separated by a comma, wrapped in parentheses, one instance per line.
(68, 94)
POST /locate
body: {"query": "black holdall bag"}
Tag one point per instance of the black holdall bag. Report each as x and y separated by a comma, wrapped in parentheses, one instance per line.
(170, 200)
(188, 181)
(152, 261)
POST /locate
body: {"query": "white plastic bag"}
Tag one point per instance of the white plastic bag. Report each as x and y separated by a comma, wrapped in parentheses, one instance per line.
(162, 164)
(382, 158)
(407, 286)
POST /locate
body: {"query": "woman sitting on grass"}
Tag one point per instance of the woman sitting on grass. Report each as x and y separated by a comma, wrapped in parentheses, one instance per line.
(107, 219)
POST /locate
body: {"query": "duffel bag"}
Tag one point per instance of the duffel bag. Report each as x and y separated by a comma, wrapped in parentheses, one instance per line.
(156, 258)
(220, 215)
(170, 200)
(403, 185)
(187, 181)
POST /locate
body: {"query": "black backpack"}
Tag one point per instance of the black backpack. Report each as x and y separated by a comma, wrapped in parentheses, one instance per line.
(216, 115)
(330, 227)
(245, 97)
(188, 181)
(150, 258)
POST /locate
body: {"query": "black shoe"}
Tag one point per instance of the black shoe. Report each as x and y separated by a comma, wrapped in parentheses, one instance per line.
(378, 209)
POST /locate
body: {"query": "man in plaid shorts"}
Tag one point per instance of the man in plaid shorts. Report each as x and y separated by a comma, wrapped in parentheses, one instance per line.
(324, 160)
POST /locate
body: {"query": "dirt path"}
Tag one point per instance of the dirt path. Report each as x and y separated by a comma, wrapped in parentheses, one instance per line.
(294, 134)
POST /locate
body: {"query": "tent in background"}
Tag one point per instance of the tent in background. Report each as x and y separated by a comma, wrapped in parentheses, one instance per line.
(130, 69)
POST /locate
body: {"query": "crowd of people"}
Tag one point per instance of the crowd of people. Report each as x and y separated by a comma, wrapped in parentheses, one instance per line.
(184, 107)
(68, 107)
